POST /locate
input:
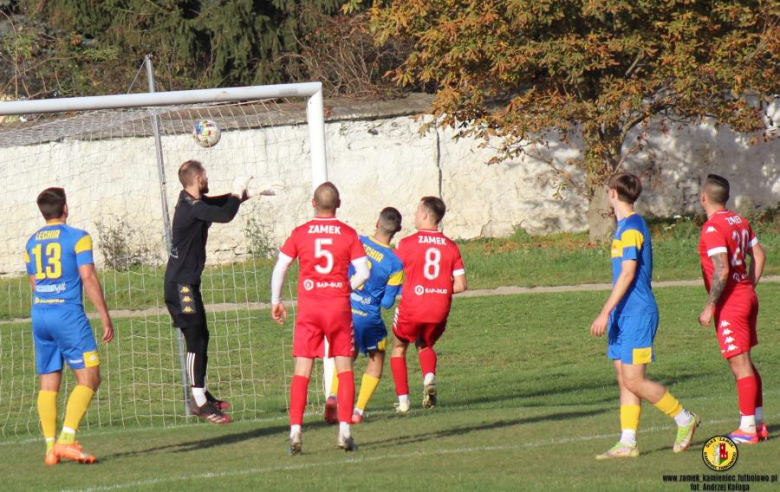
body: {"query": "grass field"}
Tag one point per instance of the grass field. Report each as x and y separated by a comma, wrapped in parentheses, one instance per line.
(527, 399)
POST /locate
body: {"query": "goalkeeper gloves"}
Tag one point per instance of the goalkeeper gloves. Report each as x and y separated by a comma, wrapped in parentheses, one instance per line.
(240, 184)
(264, 190)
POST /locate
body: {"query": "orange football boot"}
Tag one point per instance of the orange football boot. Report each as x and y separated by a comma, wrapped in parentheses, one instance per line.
(73, 452)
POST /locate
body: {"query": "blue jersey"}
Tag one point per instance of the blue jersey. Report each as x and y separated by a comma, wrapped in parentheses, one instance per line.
(53, 255)
(384, 284)
(632, 242)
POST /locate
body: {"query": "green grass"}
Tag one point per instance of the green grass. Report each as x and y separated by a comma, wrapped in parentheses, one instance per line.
(527, 399)
(521, 259)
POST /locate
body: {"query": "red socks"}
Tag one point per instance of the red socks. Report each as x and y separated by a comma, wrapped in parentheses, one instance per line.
(747, 390)
(427, 361)
(298, 392)
(398, 366)
(759, 388)
(346, 396)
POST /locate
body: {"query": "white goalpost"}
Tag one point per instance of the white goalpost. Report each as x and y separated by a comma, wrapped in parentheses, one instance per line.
(117, 156)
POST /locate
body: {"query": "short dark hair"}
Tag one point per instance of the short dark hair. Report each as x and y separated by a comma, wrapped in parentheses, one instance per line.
(717, 188)
(627, 186)
(51, 203)
(390, 220)
(188, 170)
(327, 197)
(435, 207)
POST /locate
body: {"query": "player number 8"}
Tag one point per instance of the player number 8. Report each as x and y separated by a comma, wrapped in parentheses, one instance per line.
(432, 263)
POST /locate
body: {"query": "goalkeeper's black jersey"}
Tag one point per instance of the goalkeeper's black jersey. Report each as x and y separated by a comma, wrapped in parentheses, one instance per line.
(191, 222)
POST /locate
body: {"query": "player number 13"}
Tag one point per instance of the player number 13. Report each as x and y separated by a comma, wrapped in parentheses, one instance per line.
(53, 267)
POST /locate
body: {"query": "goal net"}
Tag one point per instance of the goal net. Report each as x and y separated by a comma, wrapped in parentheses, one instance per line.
(122, 188)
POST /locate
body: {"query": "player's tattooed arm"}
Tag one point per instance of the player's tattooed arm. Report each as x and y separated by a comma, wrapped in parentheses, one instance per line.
(720, 277)
(719, 280)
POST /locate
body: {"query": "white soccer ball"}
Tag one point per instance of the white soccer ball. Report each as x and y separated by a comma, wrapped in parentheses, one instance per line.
(206, 133)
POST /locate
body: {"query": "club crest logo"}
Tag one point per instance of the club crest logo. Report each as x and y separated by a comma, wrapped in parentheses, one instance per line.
(719, 453)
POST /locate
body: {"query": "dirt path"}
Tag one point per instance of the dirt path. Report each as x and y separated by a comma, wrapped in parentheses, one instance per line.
(498, 291)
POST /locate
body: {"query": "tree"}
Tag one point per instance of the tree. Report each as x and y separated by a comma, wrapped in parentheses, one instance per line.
(591, 69)
(82, 47)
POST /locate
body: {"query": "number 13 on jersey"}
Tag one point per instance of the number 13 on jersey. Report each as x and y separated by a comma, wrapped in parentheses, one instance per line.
(48, 262)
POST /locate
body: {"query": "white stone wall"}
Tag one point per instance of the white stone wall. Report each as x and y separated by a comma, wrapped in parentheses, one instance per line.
(375, 163)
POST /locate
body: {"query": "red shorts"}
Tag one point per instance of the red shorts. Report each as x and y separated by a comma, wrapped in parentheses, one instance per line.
(313, 326)
(735, 325)
(412, 331)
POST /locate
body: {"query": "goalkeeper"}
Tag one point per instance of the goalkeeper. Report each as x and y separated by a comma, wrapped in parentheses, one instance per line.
(194, 214)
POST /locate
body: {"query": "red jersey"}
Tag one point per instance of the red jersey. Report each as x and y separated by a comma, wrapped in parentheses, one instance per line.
(324, 248)
(727, 232)
(430, 261)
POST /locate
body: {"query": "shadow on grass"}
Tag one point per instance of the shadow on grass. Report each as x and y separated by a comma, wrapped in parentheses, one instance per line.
(224, 440)
(601, 385)
(460, 431)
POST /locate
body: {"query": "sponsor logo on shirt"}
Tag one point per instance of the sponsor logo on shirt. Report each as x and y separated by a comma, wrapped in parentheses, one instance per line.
(366, 301)
(420, 290)
(710, 229)
(38, 300)
(51, 289)
(332, 285)
(308, 284)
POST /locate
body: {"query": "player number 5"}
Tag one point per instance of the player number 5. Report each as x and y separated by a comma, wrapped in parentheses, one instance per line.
(320, 252)
(432, 265)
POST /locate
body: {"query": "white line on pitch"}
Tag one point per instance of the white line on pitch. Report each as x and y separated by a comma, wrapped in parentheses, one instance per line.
(357, 460)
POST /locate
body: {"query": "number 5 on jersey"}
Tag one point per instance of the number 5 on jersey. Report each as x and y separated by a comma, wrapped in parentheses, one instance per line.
(320, 252)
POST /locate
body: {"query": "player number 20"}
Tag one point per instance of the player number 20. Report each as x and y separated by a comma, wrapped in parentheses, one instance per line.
(53, 267)
(739, 253)
(432, 265)
(320, 252)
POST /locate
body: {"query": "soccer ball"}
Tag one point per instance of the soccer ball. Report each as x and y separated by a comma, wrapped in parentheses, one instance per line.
(206, 133)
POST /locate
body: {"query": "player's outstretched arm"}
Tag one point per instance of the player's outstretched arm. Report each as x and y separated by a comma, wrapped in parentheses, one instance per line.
(757, 261)
(622, 284)
(278, 311)
(95, 293)
(460, 284)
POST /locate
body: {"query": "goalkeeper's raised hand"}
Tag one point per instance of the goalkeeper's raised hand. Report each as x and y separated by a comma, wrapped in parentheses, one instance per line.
(240, 184)
(271, 189)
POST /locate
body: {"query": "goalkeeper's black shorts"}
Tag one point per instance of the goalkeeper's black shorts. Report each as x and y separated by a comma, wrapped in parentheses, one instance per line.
(185, 304)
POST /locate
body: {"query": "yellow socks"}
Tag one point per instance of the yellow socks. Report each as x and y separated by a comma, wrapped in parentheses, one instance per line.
(367, 388)
(334, 384)
(629, 417)
(47, 411)
(78, 403)
(669, 405)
